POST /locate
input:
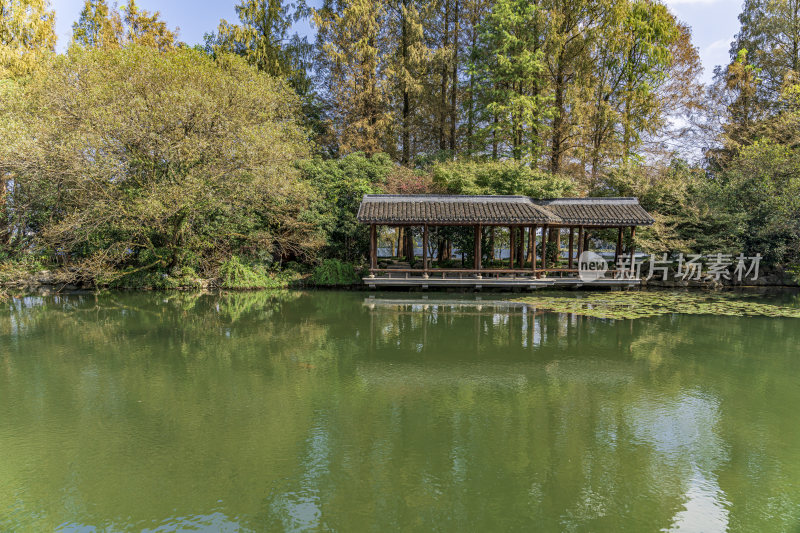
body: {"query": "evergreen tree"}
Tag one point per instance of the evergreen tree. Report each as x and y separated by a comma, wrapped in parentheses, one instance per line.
(263, 36)
(511, 72)
(571, 30)
(146, 28)
(352, 60)
(27, 32)
(770, 32)
(406, 70)
(98, 25)
(101, 26)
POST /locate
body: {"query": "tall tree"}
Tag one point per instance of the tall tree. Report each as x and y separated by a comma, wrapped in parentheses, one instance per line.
(770, 32)
(353, 64)
(101, 26)
(27, 32)
(571, 30)
(263, 36)
(737, 89)
(511, 70)
(147, 29)
(474, 14)
(641, 71)
(134, 160)
(406, 68)
(98, 25)
(650, 32)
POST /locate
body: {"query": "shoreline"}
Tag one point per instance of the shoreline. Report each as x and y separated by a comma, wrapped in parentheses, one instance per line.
(44, 289)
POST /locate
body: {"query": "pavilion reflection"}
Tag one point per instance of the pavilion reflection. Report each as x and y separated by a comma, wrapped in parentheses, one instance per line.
(470, 327)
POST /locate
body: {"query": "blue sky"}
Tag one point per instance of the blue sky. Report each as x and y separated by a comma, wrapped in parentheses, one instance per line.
(713, 22)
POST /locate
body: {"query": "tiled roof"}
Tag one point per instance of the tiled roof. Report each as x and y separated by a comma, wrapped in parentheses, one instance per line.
(452, 209)
(598, 211)
(443, 209)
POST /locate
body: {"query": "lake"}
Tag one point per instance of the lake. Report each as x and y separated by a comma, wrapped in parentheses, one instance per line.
(356, 411)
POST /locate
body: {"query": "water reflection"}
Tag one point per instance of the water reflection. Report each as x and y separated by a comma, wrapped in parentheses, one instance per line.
(331, 411)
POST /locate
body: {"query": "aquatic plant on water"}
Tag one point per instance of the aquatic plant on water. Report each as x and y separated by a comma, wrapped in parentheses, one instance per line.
(642, 304)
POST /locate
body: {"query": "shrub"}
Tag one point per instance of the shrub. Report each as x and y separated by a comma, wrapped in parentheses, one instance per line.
(234, 274)
(334, 272)
(158, 280)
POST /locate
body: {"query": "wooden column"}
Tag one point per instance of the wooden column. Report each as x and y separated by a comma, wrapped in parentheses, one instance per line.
(477, 263)
(425, 249)
(531, 241)
(570, 262)
(511, 248)
(521, 247)
(618, 251)
(401, 244)
(544, 247)
(580, 243)
(373, 247)
(633, 248)
(410, 245)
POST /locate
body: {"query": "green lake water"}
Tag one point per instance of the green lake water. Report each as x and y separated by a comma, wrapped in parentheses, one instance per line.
(355, 411)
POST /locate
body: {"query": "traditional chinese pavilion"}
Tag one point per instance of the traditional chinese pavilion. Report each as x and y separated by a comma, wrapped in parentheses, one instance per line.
(526, 224)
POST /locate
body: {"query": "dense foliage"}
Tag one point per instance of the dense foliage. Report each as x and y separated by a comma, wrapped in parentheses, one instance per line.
(134, 160)
(128, 159)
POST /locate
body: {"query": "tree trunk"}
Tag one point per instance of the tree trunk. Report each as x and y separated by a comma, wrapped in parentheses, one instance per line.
(494, 139)
(406, 111)
(471, 106)
(443, 103)
(558, 119)
(454, 77)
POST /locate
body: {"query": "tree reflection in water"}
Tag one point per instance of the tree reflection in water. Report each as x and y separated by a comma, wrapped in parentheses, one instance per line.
(329, 410)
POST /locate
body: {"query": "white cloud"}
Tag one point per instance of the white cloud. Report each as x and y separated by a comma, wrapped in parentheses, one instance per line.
(719, 45)
(689, 2)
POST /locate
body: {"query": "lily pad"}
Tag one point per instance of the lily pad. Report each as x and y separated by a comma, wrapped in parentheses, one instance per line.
(642, 304)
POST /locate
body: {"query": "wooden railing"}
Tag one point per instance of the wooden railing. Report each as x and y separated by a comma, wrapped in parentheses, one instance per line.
(485, 271)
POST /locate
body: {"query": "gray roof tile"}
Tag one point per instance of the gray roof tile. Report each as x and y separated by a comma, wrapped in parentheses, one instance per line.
(455, 209)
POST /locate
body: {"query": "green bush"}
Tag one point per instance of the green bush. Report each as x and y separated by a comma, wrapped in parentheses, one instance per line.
(552, 253)
(186, 278)
(234, 274)
(334, 272)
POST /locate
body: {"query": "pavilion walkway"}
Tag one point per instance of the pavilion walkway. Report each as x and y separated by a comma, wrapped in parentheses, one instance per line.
(523, 218)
